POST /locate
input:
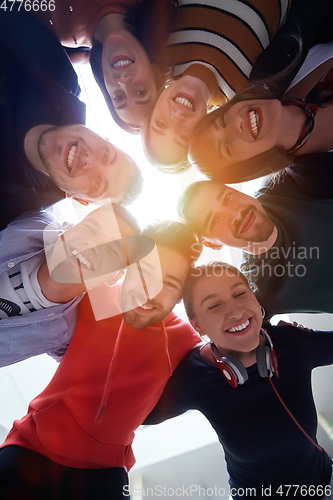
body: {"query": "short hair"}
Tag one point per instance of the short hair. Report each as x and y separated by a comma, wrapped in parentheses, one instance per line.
(176, 236)
(153, 157)
(210, 269)
(135, 186)
(188, 195)
(126, 216)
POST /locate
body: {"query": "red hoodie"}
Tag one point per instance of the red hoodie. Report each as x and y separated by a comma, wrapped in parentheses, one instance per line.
(110, 360)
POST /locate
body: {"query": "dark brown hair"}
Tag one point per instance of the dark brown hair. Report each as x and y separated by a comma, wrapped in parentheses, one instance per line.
(176, 236)
(150, 22)
(210, 269)
(205, 158)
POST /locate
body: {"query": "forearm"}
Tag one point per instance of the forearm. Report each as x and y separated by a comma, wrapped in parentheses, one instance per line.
(57, 292)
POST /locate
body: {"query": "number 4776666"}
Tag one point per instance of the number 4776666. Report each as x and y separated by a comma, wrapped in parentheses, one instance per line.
(28, 5)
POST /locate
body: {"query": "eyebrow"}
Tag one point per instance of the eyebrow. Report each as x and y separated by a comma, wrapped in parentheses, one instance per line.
(147, 266)
(144, 101)
(177, 141)
(114, 158)
(213, 295)
(209, 216)
(157, 130)
(122, 106)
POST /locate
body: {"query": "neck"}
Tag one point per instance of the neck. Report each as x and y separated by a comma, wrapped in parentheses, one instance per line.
(107, 25)
(31, 146)
(259, 248)
(247, 358)
(293, 119)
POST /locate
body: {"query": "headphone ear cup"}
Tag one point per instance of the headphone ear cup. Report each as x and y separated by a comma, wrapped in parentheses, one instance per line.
(231, 363)
(264, 363)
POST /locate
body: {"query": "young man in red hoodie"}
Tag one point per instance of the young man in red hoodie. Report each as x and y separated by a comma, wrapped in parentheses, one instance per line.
(75, 441)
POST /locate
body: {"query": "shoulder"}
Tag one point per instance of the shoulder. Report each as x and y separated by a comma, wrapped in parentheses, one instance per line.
(35, 220)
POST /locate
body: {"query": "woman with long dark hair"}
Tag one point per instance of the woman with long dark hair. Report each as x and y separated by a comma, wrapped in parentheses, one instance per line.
(258, 133)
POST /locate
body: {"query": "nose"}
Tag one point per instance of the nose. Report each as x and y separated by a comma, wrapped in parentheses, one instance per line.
(234, 312)
(177, 115)
(124, 78)
(237, 125)
(85, 161)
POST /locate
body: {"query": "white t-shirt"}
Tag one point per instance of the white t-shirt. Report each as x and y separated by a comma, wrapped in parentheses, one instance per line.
(20, 292)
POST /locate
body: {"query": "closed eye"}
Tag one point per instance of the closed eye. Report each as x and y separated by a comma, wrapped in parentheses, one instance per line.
(214, 306)
(240, 294)
(183, 137)
(171, 284)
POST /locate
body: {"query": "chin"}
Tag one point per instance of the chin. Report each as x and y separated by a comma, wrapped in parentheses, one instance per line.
(138, 321)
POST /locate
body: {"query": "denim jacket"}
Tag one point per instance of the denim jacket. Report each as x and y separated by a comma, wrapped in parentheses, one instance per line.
(46, 330)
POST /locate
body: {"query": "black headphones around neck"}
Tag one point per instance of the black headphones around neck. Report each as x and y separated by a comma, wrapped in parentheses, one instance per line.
(235, 372)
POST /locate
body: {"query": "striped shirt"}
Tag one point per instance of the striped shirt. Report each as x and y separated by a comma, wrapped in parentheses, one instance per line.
(226, 36)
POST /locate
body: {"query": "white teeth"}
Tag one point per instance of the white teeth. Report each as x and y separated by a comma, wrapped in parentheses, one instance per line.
(254, 119)
(238, 328)
(82, 259)
(142, 304)
(184, 102)
(123, 62)
(70, 156)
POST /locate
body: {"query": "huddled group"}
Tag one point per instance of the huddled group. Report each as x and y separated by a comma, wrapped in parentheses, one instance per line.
(239, 90)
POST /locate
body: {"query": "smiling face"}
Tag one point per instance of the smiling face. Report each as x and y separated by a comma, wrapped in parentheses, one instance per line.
(129, 77)
(178, 109)
(245, 130)
(226, 310)
(93, 249)
(172, 270)
(224, 215)
(84, 164)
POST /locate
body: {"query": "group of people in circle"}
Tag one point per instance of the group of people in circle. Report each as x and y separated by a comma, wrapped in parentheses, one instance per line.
(239, 90)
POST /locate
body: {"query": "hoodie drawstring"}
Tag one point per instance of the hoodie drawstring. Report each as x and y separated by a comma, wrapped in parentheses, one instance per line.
(106, 390)
(107, 384)
(167, 348)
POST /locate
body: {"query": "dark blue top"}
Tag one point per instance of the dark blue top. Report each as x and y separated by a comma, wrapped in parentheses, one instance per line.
(296, 274)
(38, 86)
(262, 445)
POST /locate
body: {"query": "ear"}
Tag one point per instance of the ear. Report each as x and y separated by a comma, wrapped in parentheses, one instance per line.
(179, 301)
(79, 200)
(209, 244)
(195, 325)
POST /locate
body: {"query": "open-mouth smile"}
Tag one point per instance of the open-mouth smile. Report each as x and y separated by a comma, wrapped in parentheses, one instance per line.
(254, 123)
(70, 156)
(121, 62)
(240, 329)
(85, 262)
(184, 101)
(145, 306)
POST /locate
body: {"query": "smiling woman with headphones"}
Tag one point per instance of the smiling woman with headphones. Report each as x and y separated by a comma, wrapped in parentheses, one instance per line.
(254, 386)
